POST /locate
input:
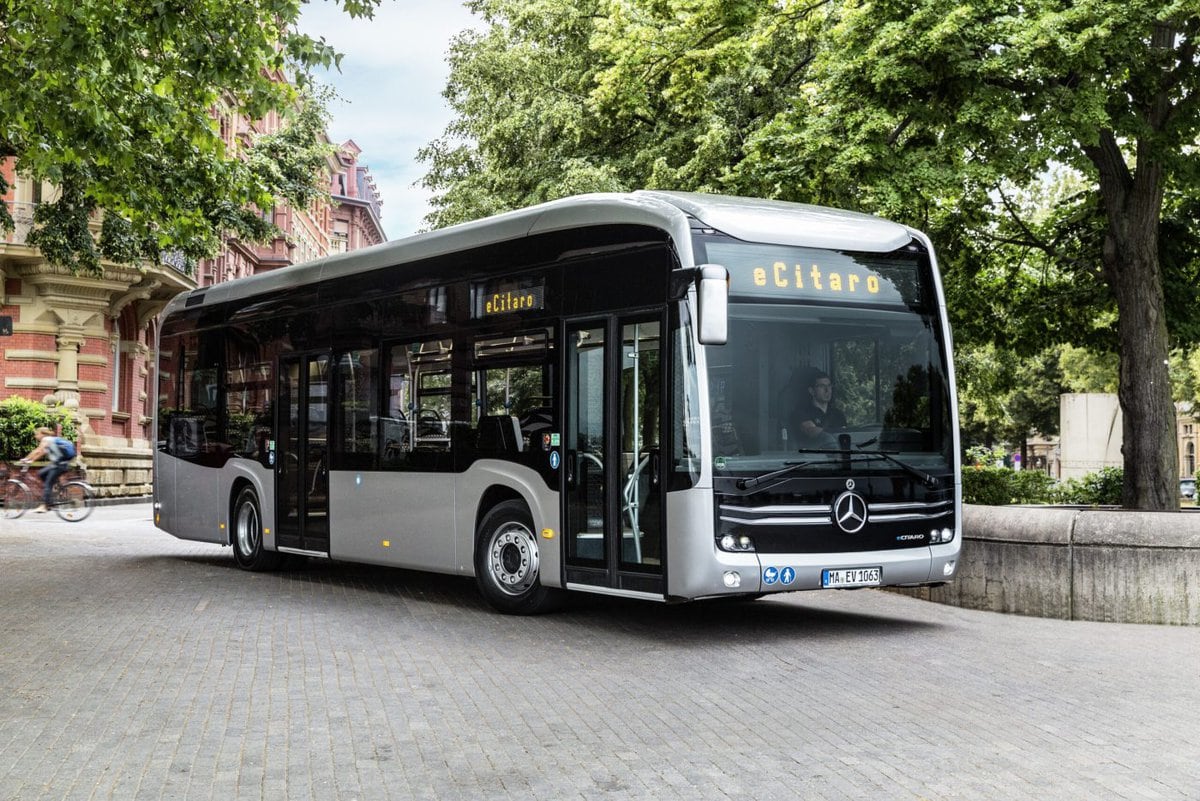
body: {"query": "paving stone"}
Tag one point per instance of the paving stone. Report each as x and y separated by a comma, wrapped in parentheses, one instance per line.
(137, 666)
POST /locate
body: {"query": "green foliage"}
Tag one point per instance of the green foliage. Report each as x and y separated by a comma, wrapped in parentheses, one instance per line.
(999, 486)
(115, 101)
(1004, 398)
(1100, 488)
(1048, 148)
(557, 98)
(20, 418)
(984, 456)
(1088, 371)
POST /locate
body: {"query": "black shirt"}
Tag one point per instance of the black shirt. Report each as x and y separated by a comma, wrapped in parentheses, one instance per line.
(829, 421)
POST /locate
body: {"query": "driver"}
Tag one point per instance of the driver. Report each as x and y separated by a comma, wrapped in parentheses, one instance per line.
(816, 418)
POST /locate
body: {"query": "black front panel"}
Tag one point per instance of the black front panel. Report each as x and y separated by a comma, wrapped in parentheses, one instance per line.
(886, 512)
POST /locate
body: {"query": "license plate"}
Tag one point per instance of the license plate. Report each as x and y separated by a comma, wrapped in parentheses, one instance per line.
(854, 577)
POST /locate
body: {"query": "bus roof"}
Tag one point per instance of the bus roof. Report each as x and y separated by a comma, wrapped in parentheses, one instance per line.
(749, 219)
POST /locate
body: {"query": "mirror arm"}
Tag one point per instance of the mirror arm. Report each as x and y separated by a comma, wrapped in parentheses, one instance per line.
(681, 280)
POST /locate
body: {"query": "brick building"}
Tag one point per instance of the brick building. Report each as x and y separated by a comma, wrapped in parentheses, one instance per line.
(88, 342)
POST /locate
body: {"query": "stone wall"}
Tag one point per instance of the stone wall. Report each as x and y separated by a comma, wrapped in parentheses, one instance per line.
(1078, 564)
(117, 472)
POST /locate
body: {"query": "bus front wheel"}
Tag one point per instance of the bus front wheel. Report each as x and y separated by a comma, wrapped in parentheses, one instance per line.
(507, 562)
(248, 549)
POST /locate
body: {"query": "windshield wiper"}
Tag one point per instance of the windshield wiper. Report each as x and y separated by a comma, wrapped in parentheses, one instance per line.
(788, 467)
(930, 481)
(859, 455)
(750, 483)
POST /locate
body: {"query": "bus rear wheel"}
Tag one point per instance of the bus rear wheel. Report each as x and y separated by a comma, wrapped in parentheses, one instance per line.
(248, 549)
(507, 563)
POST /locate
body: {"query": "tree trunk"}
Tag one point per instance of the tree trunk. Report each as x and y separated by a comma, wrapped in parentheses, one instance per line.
(1148, 413)
(1131, 266)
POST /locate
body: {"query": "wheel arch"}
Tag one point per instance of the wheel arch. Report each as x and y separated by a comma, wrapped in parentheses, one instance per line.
(235, 489)
(507, 555)
(491, 498)
(238, 474)
(491, 482)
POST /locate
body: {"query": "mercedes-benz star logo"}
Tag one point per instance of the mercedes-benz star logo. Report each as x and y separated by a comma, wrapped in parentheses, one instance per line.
(850, 512)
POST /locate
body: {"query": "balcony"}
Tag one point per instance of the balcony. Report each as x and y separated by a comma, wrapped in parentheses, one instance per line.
(19, 259)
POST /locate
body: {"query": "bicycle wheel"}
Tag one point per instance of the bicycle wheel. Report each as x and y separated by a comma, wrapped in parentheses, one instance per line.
(15, 497)
(73, 501)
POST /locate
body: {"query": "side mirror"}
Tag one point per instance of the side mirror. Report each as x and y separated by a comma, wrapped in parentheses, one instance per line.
(712, 293)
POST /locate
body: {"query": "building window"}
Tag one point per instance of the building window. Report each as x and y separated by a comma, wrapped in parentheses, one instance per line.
(116, 376)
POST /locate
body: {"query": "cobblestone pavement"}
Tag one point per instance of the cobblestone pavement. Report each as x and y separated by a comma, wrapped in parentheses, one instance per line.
(136, 666)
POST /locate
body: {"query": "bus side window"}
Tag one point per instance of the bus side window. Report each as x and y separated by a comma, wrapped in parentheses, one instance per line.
(194, 433)
(357, 409)
(396, 429)
(249, 382)
(418, 414)
(168, 389)
(512, 380)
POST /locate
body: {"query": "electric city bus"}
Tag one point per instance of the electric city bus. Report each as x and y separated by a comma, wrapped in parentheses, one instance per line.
(597, 394)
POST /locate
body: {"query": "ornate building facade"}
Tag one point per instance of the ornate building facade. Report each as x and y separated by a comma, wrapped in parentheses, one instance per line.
(87, 342)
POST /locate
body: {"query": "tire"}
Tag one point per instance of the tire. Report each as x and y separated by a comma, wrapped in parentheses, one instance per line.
(507, 563)
(247, 535)
(74, 501)
(16, 498)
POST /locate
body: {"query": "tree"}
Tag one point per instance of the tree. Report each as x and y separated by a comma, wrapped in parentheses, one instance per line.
(1001, 91)
(1004, 398)
(113, 101)
(558, 97)
(937, 113)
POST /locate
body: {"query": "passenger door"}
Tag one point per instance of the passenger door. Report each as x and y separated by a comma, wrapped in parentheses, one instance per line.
(612, 482)
(302, 466)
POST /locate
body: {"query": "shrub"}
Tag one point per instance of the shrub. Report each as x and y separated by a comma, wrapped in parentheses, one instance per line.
(1101, 488)
(999, 486)
(984, 456)
(19, 418)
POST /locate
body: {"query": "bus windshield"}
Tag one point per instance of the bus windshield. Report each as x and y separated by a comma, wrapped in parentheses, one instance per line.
(828, 352)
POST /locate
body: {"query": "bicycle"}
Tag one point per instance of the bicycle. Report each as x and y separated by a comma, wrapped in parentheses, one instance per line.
(72, 497)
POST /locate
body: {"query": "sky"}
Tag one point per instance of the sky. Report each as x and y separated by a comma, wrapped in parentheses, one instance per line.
(390, 86)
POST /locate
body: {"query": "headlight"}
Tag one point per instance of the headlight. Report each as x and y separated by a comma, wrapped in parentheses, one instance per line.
(938, 536)
(735, 544)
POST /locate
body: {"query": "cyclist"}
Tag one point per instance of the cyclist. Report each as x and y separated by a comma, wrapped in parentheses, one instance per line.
(60, 452)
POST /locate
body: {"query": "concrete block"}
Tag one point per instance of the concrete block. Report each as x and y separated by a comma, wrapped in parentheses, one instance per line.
(1018, 524)
(1112, 565)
